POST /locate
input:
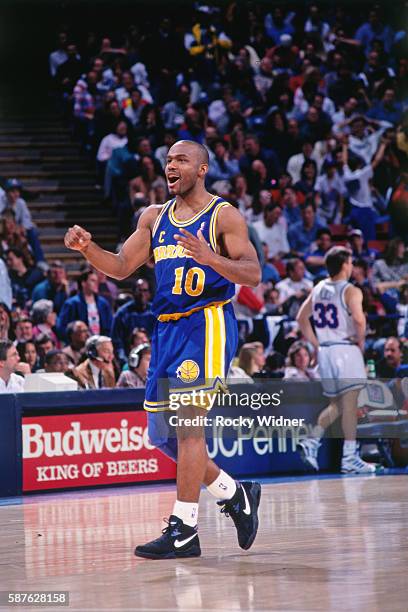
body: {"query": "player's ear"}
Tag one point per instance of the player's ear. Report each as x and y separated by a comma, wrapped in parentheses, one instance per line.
(202, 170)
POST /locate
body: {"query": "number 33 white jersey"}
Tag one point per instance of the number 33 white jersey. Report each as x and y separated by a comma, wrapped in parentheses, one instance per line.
(332, 320)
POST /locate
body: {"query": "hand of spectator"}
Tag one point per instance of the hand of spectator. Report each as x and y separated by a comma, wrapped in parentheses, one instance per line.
(23, 368)
(77, 238)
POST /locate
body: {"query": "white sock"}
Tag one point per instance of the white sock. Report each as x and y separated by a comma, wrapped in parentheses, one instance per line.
(187, 512)
(349, 448)
(223, 487)
(317, 432)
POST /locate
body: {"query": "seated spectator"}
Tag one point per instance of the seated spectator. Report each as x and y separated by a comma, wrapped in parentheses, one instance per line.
(77, 334)
(43, 344)
(10, 382)
(315, 125)
(308, 175)
(56, 361)
(358, 248)
(301, 235)
(133, 110)
(138, 362)
(13, 200)
(23, 277)
(6, 294)
(272, 232)
(298, 363)
(402, 309)
(28, 353)
(242, 197)
(147, 180)
(193, 126)
(23, 329)
(44, 318)
(221, 168)
(54, 287)
(14, 236)
(271, 300)
(251, 359)
(387, 366)
(290, 205)
(315, 258)
(295, 288)
(97, 371)
(386, 109)
(5, 322)
(374, 29)
(296, 162)
(169, 138)
(86, 306)
(109, 143)
(151, 125)
(331, 189)
(274, 366)
(391, 271)
(344, 115)
(257, 165)
(139, 336)
(136, 313)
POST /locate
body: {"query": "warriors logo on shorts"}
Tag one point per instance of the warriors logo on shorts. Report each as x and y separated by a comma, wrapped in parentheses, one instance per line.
(188, 371)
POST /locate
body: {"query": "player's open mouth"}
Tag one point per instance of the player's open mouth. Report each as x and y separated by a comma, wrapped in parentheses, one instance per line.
(172, 180)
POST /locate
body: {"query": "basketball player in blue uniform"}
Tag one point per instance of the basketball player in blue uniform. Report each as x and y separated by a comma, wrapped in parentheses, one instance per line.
(338, 335)
(201, 249)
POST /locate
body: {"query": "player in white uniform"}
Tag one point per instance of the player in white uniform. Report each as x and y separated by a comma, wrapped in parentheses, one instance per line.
(338, 335)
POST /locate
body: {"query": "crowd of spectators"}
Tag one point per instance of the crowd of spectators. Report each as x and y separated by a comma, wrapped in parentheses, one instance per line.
(305, 116)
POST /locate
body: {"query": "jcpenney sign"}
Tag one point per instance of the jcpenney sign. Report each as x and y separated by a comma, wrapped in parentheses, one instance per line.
(90, 449)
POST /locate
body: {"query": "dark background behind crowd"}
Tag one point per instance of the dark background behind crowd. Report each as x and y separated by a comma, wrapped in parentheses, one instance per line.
(304, 110)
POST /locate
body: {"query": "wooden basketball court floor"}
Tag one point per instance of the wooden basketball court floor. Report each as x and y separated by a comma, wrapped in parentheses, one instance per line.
(323, 544)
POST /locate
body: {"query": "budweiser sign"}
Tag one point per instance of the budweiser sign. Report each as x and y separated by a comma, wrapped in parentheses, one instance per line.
(90, 449)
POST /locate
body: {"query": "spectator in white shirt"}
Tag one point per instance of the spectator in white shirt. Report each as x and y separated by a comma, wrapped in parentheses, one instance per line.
(9, 360)
(296, 162)
(112, 141)
(272, 232)
(296, 284)
(58, 57)
(6, 295)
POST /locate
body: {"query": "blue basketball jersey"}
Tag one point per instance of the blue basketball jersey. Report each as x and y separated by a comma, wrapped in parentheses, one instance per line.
(183, 285)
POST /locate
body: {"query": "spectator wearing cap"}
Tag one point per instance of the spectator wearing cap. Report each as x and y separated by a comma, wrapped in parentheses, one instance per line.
(358, 248)
(77, 333)
(302, 234)
(12, 199)
(10, 382)
(23, 277)
(44, 318)
(86, 306)
(138, 362)
(54, 287)
(136, 313)
(272, 232)
(97, 371)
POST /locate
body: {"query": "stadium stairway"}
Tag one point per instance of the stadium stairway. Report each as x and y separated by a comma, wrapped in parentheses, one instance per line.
(58, 183)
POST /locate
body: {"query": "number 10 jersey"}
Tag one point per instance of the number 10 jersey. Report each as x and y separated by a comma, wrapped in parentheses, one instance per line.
(183, 285)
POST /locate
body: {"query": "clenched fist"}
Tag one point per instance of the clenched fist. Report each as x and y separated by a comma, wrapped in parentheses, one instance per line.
(77, 238)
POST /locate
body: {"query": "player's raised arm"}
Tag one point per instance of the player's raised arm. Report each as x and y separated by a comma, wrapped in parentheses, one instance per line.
(133, 254)
(240, 265)
(354, 300)
(303, 319)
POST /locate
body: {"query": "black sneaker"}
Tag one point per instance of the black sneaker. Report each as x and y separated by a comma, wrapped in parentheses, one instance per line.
(243, 509)
(178, 540)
